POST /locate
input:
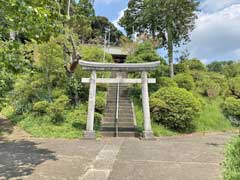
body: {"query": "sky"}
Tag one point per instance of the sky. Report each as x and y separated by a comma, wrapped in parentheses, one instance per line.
(215, 37)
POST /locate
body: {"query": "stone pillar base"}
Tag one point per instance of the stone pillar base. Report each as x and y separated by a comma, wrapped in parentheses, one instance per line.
(148, 135)
(89, 135)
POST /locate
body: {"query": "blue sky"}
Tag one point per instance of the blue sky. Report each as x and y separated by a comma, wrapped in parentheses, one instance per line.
(217, 32)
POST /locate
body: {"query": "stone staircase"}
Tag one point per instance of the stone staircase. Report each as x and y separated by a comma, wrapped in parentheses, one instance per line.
(126, 123)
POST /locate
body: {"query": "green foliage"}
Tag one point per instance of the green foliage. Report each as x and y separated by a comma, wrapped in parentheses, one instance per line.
(35, 19)
(232, 70)
(208, 88)
(40, 107)
(211, 117)
(97, 120)
(27, 90)
(181, 68)
(231, 164)
(194, 64)
(184, 81)
(94, 53)
(234, 86)
(166, 82)
(145, 52)
(231, 108)
(168, 21)
(210, 84)
(218, 66)
(56, 109)
(175, 108)
(100, 104)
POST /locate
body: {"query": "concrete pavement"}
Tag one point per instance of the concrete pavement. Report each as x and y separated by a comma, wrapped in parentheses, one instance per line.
(192, 157)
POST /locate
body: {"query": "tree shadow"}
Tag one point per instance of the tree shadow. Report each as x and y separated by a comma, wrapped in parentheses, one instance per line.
(6, 127)
(20, 158)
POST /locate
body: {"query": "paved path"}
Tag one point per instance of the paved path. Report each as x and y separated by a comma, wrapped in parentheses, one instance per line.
(195, 157)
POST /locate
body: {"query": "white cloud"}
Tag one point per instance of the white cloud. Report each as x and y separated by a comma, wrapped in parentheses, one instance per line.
(115, 22)
(217, 35)
(216, 5)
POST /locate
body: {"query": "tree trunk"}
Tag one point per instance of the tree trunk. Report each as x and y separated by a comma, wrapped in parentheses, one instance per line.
(170, 51)
(68, 9)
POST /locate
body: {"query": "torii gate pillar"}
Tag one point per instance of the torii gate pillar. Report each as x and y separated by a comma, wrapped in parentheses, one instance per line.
(147, 133)
(90, 133)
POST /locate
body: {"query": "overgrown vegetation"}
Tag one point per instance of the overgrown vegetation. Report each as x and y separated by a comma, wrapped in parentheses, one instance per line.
(231, 164)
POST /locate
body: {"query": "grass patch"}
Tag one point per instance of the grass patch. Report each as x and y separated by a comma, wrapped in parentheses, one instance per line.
(231, 164)
(211, 117)
(41, 126)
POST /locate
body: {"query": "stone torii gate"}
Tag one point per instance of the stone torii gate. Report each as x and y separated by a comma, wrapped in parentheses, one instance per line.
(144, 68)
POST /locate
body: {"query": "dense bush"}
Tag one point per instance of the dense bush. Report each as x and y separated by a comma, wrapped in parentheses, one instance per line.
(56, 109)
(175, 108)
(97, 120)
(40, 107)
(194, 64)
(210, 84)
(208, 88)
(184, 81)
(234, 86)
(166, 82)
(231, 108)
(181, 68)
(100, 104)
(231, 163)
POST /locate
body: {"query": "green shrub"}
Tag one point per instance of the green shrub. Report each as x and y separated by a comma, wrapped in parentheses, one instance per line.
(231, 108)
(184, 81)
(208, 88)
(56, 109)
(175, 108)
(100, 104)
(97, 120)
(166, 82)
(194, 64)
(234, 86)
(210, 84)
(231, 163)
(40, 107)
(181, 68)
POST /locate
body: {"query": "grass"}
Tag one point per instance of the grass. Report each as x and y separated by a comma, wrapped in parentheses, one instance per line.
(41, 126)
(211, 117)
(231, 164)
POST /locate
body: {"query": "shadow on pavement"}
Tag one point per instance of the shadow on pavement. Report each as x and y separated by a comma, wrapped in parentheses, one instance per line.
(19, 158)
(5, 126)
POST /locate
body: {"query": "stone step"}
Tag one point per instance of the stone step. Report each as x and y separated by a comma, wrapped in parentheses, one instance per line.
(112, 120)
(120, 104)
(121, 108)
(120, 124)
(121, 116)
(120, 134)
(120, 101)
(113, 128)
(121, 113)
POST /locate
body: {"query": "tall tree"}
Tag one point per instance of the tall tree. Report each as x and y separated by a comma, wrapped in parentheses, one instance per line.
(171, 21)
